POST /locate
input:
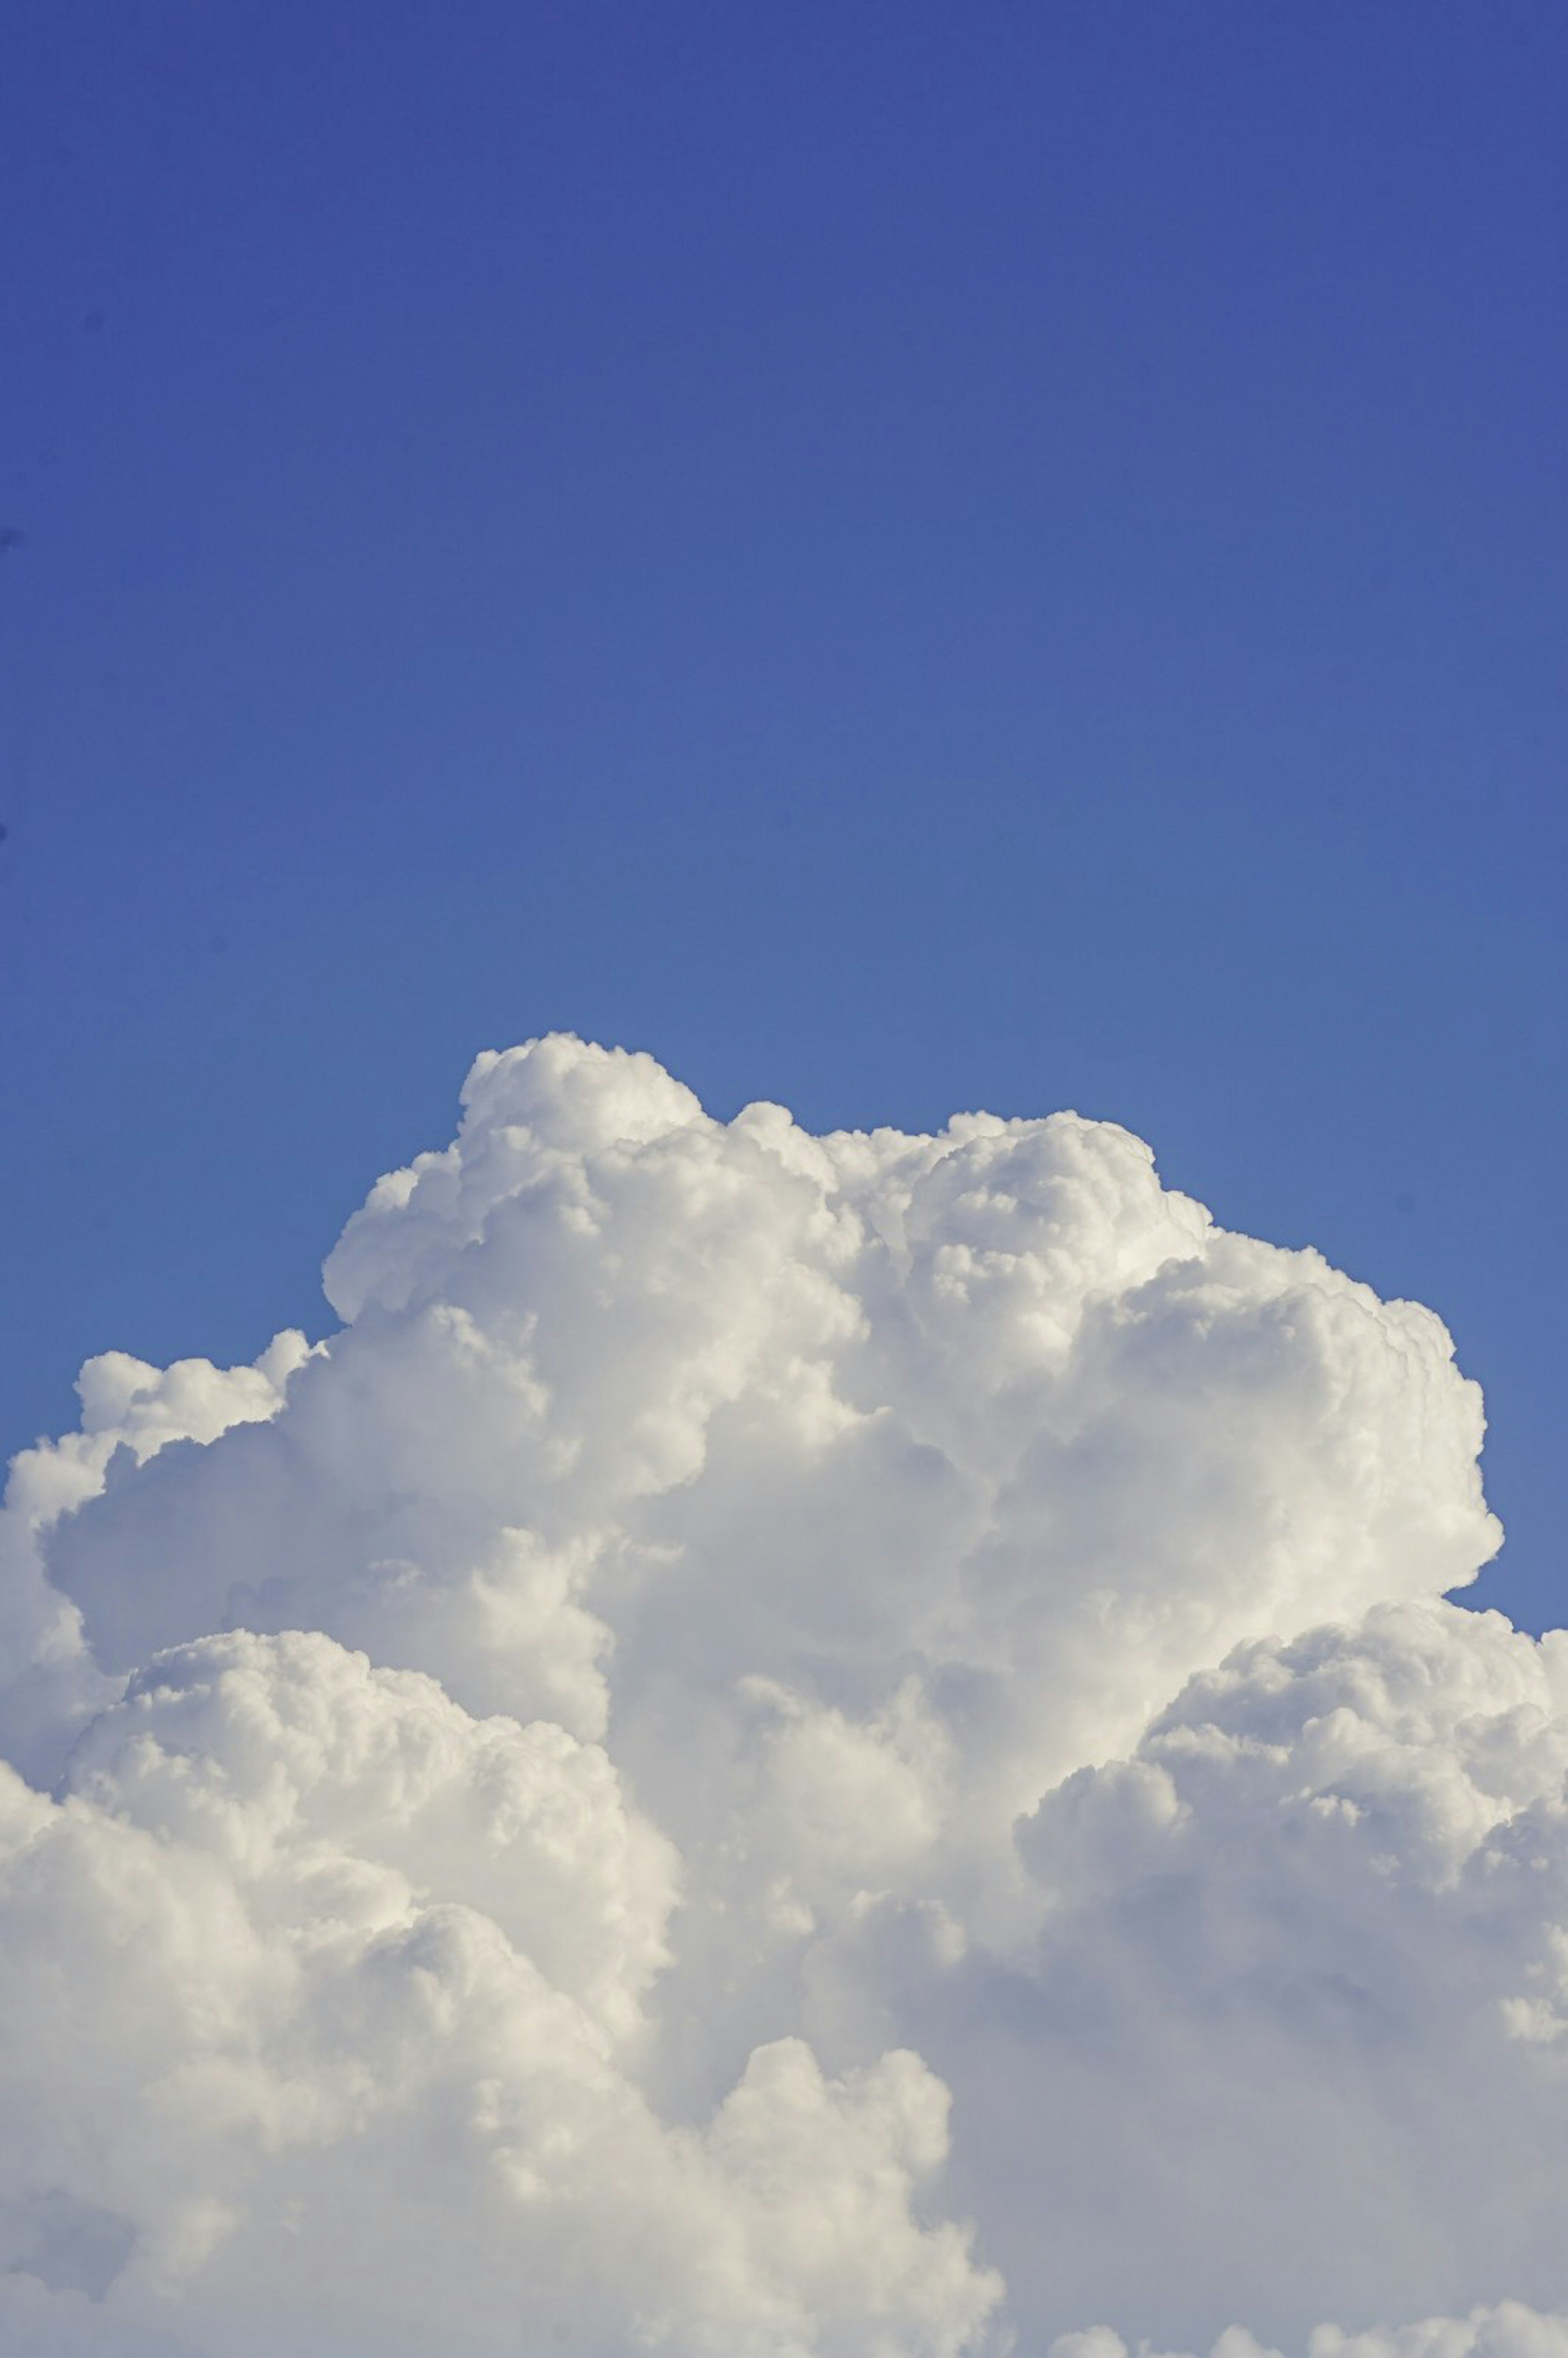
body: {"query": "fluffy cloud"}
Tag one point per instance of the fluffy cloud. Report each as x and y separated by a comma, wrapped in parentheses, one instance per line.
(1507, 2330)
(1321, 1919)
(798, 1747)
(306, 1973)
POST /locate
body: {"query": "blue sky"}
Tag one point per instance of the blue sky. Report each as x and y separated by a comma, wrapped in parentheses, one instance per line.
(900, 558)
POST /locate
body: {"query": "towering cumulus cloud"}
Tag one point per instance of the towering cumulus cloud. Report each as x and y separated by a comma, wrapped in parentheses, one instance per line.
(780, 1747)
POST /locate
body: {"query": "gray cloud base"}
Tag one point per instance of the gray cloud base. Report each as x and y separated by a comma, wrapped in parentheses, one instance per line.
(791, 1748)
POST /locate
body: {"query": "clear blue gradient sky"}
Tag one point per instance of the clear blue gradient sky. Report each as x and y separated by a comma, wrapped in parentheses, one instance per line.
(899, 557)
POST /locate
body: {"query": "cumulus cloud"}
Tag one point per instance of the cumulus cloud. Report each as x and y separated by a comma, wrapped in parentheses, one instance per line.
(786, 1747)
(1507, 2330)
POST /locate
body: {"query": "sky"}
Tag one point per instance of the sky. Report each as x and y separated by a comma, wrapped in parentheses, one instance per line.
(898, 559)
(761, 1734)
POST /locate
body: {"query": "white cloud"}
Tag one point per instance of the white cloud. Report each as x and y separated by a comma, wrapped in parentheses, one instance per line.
(1317, 1918)
(1507, 2330)
(761, 1699)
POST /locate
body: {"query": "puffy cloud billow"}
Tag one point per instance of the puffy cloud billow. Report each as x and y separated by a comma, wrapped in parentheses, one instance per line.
(780, 1747)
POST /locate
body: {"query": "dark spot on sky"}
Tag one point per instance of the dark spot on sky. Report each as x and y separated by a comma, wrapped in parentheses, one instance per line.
(93, 322)
(70, 2245)
(11, 538)
(1404, 1202)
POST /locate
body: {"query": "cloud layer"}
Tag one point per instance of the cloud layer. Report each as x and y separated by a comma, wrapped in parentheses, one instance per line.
(791, 1748)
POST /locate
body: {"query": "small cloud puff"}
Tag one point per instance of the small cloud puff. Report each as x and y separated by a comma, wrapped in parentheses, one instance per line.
(800, 1747)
